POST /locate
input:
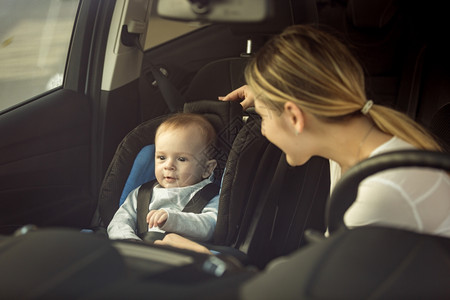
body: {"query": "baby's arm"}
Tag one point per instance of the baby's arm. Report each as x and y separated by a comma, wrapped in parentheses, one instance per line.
(123, 224)
(199, 227)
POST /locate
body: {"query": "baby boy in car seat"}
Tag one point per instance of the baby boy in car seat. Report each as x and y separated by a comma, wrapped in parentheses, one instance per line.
(183, 168)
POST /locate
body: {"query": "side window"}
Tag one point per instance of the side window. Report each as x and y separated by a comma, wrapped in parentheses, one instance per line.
(34, 44)
(162, 30)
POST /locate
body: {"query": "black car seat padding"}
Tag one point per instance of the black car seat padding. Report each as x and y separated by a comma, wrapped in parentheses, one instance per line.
(362, 263)
(345, 192)
(367, 262)
(121, 173)
(265, 205)
(440, 126)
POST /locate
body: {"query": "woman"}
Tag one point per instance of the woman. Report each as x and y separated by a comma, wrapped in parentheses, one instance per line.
(309, 91)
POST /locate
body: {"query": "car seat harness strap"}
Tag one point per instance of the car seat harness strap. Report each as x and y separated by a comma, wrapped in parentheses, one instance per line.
(195, 205)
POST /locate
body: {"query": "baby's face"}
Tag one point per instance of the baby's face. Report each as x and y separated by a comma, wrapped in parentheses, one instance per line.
(179, 157)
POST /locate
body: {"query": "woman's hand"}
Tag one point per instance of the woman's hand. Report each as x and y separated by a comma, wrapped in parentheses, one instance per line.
(243, 93)
(177, 241)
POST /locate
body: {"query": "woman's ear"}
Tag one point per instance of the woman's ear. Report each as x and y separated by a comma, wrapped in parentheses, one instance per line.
(295, 117)
(210, 165)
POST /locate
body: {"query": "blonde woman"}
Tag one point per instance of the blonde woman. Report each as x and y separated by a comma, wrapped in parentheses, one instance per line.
(309, 91)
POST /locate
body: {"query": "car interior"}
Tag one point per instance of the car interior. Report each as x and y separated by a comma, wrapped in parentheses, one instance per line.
(71, 155)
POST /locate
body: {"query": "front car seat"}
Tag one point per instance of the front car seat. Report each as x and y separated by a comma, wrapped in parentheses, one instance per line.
(367, 262)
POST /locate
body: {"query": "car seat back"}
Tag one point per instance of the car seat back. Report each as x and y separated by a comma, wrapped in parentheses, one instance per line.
(345, 192)
(265, 205)
(228, 75)
(362, 263)
(367, 262)
(440, 126)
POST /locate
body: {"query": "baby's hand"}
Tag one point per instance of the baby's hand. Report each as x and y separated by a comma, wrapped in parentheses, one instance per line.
(157, 218)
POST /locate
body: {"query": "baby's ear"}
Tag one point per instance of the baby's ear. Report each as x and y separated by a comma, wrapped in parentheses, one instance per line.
(210, 165)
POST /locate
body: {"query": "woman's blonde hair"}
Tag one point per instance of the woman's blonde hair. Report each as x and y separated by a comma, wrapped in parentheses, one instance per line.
(317, 72)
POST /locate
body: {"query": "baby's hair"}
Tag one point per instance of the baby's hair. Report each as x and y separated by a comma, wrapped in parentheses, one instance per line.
(183, 120)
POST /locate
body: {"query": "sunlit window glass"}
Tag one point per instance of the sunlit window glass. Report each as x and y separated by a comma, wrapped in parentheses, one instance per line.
(34, 43)
(163, 30)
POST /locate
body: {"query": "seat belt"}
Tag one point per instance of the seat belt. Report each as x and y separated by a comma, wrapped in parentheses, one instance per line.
(143, 201)
(195, 205)
(202, 198)
(173, 98)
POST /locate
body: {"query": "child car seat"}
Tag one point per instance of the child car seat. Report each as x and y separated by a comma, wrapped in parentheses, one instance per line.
(287, 199)
(133, 165)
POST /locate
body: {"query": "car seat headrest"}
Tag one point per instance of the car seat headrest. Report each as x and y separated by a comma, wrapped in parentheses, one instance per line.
(226, 118)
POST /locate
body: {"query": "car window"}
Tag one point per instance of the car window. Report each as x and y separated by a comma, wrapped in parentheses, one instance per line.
(162, 30)
(35, 37)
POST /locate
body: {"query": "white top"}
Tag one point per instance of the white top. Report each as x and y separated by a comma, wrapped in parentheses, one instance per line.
(198, 227)
(416, 199)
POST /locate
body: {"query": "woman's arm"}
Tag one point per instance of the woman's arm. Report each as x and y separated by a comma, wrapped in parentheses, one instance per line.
(243, 93)
(177, 241)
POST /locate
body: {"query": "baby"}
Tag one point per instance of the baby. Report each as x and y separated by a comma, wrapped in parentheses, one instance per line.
(182, 168)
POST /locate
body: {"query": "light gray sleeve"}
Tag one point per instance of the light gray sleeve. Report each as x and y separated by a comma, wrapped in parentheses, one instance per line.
(199, 227)
(123, 224)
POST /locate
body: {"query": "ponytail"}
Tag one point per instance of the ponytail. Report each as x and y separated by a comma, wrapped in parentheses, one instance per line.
(400, 125)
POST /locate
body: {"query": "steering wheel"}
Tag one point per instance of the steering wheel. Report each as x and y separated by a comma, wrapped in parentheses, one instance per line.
(346, 190)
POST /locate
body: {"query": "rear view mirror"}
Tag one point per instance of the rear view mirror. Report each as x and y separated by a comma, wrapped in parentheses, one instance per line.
(240, 11)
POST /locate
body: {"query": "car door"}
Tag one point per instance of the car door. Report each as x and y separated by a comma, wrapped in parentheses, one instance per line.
(50, 111)
(57, 140)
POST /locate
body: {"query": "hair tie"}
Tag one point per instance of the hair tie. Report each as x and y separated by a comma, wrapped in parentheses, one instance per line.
(367, 106)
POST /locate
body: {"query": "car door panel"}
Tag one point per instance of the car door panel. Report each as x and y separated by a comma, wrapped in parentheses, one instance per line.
(44, 164)
(51, 144)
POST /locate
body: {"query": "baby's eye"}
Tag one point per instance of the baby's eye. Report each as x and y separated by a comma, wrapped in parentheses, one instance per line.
(182, 158)
(161, 157)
